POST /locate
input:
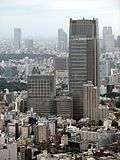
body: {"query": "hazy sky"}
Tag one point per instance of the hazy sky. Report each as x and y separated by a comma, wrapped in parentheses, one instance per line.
(42, 18)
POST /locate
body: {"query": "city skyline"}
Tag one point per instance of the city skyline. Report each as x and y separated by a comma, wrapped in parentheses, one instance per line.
(42, 19)
(59, 79)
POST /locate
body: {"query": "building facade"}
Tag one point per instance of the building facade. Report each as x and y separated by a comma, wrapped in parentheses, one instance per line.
(118, 42)
(17, 38)
(29, 44)
(83, 60)
(9, 152)
(62, 40)
(108, 39)
(90, 101)
(41, 90)
(42, 133)
(64, 105)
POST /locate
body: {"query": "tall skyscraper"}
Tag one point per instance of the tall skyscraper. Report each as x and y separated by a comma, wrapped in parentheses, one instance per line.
(62, 40)
(41, 90)
(108, 39)
(17, 38)
(118, 41)
(83, 60)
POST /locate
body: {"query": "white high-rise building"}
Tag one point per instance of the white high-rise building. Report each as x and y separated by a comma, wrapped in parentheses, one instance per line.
(42, 133)
(90, 101)
(62, 40)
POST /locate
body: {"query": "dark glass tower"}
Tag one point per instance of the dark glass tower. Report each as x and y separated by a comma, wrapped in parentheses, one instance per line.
(83, 60)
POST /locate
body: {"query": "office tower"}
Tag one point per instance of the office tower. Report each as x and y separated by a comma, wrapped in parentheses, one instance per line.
(64, 106)
(83, 60)
(108, 39)
(41, 90)
(62, 40)
(118, 41)
(17, 38)
(42, 133)
(29, 44)
(90, 101)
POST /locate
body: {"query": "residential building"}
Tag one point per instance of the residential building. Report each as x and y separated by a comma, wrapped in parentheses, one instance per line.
(42, 133)
(90, 101)
(9, 152)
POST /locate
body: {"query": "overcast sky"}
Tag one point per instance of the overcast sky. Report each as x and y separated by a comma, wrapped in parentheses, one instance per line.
(42, 18)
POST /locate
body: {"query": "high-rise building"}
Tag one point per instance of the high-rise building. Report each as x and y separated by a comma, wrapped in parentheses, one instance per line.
(42, 133)
(17, 38)
(90, 101)
(62, 40)
(83, 60)
(41, 90)
(118, 41)
(29, 44)
(108, 39)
